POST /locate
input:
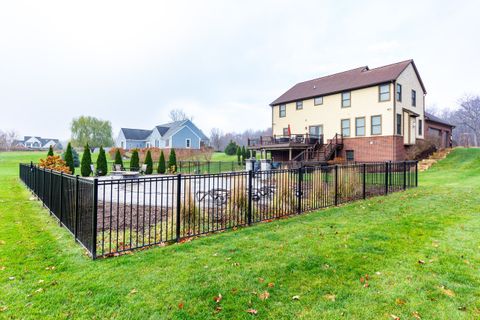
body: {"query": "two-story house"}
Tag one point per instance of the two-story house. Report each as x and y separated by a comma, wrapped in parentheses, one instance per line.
(361, 114)
(178, 134)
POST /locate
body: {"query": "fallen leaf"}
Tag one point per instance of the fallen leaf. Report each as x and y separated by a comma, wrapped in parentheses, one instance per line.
(218, 298)
(330, 297)
(394, 317)
(416, 315)
(2, 268)
(252, 311)
(296, 298)
(180, 305)
(39, 290)
(447, 292)
(218, 309)
(3, 308)
(50, 268)
(271, 284)
(133, 291)
(362, 279)
(11, 278)
(421, 261)
(366, 277)
(366, 285)
(264, 296)
(234, 290)
(261, 280)
(41, 281)
(462, 308)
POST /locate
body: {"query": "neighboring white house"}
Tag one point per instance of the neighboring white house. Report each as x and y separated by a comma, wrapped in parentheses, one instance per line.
(32, 142)
(179, 134)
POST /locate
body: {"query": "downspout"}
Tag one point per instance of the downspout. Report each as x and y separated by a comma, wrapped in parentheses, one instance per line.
(394, 117)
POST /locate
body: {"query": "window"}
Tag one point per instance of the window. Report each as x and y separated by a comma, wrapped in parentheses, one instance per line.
(157, 143)
(285, 131)
(399, 124)
(376, 125)
(315, 131)
(122, 145)
(282, 111)
(420, 127)
(399, 92)
(360, 126)
(346, 101)
(384, 92)
(346, 127)
(188, 143)
(318, 101)
(350, 155)
(414, 98)
(167, 142)
(299, 105)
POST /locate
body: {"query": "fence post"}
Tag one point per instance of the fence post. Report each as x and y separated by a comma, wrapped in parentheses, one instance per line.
(299, 190)
(250, 192)
(94, 218)
(43, 187)
(386, 177)
(336, 184)
(208, 166)
(61, 199)
(416, 173)
(50, 190)
(364, 181)
(179, 191)
(233, 168)
(75, 228)
(404, 175)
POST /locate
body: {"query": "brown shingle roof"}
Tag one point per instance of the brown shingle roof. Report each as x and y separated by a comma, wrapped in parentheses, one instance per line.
(348, 80)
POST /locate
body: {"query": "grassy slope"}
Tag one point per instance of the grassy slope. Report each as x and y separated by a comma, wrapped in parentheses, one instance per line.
(313, 256)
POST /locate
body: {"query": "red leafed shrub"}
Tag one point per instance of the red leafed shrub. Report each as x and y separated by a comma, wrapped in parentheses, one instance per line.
(112, 152)
(54, 163)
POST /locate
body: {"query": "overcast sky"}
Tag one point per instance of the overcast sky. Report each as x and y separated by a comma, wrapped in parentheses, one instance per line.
(223, 62)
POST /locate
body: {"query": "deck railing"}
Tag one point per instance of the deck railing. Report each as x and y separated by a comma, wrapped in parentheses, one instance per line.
(109, 216)
(304, 138)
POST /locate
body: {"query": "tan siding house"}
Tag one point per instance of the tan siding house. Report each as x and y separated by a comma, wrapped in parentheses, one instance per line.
(378, 112)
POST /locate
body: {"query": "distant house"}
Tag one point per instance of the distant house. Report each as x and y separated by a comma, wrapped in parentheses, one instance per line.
(438, 129)
(179, 134)
(32, 142)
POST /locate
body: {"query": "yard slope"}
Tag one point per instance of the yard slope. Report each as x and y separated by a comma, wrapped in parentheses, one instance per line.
(419, 248)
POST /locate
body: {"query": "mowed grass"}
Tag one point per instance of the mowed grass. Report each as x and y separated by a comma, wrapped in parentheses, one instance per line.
(419, 248)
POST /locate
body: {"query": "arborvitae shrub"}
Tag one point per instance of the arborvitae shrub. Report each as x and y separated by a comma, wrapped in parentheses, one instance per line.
(149, 163)
(118, 158)
(68, 157)
(172, 162)
(102, 167)
(134, 161)
(239, 155)
(50, 152)
(231, 148)
(161, 163)
(85, 168)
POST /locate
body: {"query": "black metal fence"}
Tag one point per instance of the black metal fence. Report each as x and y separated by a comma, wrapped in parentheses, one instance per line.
(109, 216)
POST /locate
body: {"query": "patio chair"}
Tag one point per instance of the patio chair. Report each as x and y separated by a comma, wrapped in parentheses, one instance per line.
(92, 168)
(117, 167)
(143, 168)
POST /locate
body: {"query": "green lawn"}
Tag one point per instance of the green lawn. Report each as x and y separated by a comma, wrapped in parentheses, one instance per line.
(420, 249)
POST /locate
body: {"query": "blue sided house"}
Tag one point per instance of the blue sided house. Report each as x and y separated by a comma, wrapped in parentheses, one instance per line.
(179, 135)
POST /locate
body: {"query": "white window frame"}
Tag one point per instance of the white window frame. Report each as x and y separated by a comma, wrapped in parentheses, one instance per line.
(318, 101)
(188, 143)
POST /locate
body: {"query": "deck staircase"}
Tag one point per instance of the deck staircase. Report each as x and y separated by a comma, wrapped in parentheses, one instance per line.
(319, 153)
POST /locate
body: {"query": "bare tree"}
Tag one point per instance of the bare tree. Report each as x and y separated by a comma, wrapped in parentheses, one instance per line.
(7, 139)
(216, 138)
(178, 115)
(469, 115)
